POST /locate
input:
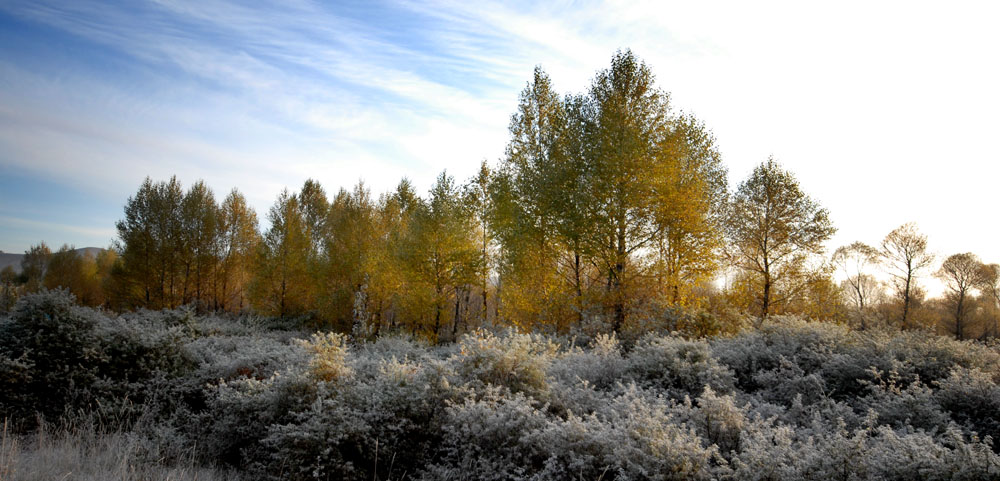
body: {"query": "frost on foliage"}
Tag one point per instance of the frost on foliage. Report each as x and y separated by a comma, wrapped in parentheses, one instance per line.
(601, 365)
(678, 366)
(516, 361)
(792, 400)
(502, 437)
(901, 405)
(329, 356)
(972, 398)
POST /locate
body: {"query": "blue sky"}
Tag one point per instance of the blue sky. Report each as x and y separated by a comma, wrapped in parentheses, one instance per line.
(886, 112)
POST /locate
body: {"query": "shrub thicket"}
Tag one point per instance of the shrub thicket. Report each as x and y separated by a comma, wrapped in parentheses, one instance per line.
(790, 400)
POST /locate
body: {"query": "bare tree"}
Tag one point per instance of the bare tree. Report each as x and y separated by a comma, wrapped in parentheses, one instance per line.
(904, 251)
(961, 273)
(854, 261)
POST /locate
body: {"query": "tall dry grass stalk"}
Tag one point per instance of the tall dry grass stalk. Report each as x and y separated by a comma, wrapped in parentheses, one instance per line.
(10, 450)
(82, 453)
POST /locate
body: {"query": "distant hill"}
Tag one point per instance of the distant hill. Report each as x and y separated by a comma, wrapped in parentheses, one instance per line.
(14, 260)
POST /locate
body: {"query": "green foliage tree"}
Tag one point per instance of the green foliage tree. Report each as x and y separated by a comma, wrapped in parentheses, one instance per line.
(608, 185)
(771, 224)
(631, 124)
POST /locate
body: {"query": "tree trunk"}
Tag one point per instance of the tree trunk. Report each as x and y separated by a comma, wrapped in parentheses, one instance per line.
(579, 287)
(906, 301)
(766, 300)
(454, 322)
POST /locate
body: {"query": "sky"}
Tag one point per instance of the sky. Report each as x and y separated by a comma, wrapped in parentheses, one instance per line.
(886, 112)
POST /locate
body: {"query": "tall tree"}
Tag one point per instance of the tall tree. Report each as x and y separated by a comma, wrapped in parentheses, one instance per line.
(904, 251)
(281, 285)
(315, 212)
(477, 198)
(137, 247)
(961, 273)
(524, 205)
(238, 242)
(691, 189)
(989, 286)
(8, 289)
(631, 126)
(388, 283)
(771, 223)
(199, 250)
(349, 248)
(854, 261)
(33, 266)
(441, 250)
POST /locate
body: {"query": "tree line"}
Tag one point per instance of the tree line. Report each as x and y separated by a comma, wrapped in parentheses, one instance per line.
(607, 206)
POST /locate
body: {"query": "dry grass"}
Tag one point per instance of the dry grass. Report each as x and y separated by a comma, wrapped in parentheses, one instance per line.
(84, 454)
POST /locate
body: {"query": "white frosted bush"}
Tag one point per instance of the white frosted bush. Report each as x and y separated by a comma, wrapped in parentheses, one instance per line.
(329, 356)
(677, 366)
(718, 420)
(516, 361)
(601, 365)
(229, 357)
(972, 398)
(485, 438)
(899, 406)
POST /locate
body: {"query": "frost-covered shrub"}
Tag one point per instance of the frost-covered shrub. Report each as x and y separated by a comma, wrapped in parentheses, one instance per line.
(677, 366)
(329, 357)
(903, 456)
(399, 347)
(379, 424)
(671, 320)
(900, 406)
(601, 365)
(58, 340)
(229, 357)
(718, 420)
(972, 397)
(77, 358)
(240, 413)
(140, 361)
(486, 438)
(634, 437)
(516, 361)
(768, 452)
(16, 395)
(787, 381)
(933, 357)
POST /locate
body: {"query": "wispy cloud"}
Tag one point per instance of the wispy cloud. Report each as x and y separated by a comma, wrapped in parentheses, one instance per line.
(260, 96)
